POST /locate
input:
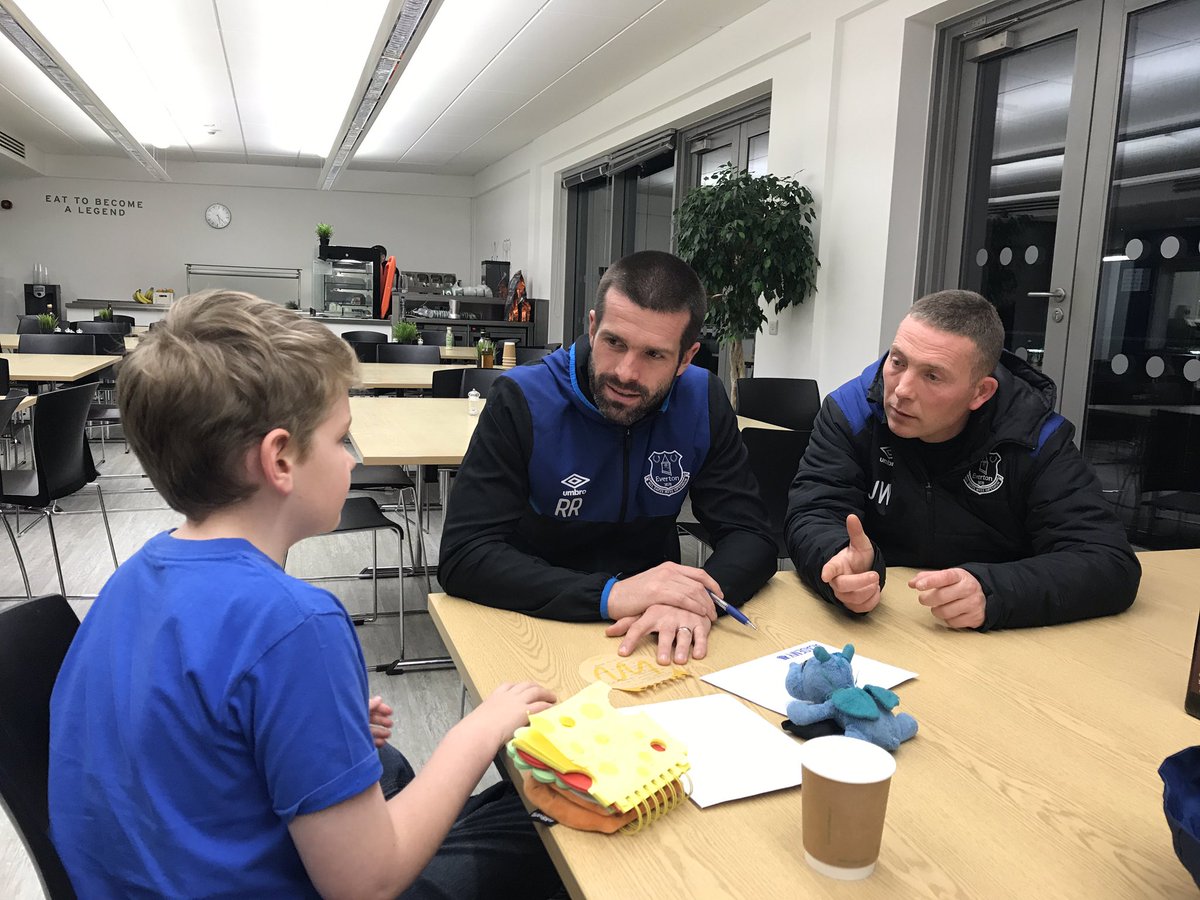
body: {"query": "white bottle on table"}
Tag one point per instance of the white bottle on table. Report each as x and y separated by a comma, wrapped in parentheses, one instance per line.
(473, 402)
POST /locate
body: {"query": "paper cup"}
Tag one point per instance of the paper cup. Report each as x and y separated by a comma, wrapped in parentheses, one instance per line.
(844, 798)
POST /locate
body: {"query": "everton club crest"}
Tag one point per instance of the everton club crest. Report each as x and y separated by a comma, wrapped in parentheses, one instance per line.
(666, 475)
(984, 477)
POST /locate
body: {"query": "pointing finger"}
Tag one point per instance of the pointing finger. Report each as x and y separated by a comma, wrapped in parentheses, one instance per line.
(858, 537)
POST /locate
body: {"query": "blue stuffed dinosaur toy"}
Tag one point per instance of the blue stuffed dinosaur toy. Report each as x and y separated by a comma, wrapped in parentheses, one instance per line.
(823, 686)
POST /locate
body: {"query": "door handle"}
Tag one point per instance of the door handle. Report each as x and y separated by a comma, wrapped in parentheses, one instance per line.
(1058, 295)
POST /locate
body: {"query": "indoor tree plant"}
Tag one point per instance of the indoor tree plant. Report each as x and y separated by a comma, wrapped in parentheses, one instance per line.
(404, 332)
(748, 237)
(324, 233)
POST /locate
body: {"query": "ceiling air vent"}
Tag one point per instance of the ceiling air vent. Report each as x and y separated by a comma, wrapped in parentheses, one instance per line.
(12, 145)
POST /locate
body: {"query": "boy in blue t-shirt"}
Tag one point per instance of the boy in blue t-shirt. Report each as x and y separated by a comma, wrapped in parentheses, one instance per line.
(210, 730)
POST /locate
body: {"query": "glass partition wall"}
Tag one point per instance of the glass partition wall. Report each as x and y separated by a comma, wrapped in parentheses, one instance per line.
(1065, 186)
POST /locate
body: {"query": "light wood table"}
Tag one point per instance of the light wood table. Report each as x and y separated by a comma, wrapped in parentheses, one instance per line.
(465, 354)
(745, 422)
(1034, 772)
(411, 431)
(400, 376)
(10, 342)
(55, 366)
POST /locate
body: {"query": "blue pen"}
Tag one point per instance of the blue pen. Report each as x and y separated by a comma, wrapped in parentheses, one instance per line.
(732, 610)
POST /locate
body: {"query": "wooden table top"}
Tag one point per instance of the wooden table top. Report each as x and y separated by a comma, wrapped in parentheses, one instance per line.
(10, 342)
(408, 431)
(745, 422)
(400, 376)
(1034, 772)
(55, 366)
(467, 353)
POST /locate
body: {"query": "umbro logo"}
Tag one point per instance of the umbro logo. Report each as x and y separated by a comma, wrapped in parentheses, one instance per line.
(575, 482)
(886, 459)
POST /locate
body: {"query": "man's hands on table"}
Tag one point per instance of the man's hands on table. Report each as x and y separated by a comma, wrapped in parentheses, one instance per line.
(849, 571)
(670, 600)
(953, 595)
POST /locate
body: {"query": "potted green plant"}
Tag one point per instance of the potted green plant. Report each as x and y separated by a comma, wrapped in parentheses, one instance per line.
(485, 352)
(324, 233)
(105, 315)
(748, 238)
(404, 332)
(47, 322)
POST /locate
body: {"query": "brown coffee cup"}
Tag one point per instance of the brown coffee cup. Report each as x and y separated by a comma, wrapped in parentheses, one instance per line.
(844, 794)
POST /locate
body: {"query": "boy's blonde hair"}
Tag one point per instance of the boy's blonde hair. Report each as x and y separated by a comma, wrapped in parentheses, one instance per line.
(222, 370)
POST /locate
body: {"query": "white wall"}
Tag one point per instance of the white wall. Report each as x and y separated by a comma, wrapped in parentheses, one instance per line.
(850, 82)
(497, 215)
(423, 220)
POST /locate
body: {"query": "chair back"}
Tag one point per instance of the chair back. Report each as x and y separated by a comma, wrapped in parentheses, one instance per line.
(530, 354)
(774, 457)
(448, 382)
(128, 320)
(409, 353)
(74, 344)
(1171, 452)
(61, 455)
(110, 336)
(34, 637)
(28, 325)
(480, 380)
(788, 402)
(366, 351)
(365, 337)
(4, 382)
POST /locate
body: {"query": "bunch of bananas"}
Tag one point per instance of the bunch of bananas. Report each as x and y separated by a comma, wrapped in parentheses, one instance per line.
(146, 296)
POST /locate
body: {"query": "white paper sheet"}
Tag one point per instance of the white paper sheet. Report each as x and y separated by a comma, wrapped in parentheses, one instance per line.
(761, 680)
(734, 752)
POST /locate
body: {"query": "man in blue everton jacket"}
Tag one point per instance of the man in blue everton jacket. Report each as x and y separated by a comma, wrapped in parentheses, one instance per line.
(566, 502)
(949, 455)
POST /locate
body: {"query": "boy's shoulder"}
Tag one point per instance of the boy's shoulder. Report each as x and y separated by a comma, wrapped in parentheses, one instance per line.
(226, 579)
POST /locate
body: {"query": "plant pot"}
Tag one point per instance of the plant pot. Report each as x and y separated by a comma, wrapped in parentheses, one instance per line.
(323, 241)
(485, 360)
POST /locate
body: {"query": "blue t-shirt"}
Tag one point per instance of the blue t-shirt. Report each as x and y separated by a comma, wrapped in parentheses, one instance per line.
(207, 699)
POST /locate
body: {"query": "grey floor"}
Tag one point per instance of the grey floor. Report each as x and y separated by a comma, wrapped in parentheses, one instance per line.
(426, 703)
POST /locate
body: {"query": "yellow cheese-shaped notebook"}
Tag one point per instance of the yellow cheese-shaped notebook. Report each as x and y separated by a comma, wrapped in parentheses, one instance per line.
(628, 756)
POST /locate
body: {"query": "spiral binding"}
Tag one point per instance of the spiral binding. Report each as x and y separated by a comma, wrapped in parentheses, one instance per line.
(656, 800)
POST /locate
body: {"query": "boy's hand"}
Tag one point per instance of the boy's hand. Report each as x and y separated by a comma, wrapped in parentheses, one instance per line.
(379, 714)
(509, 707)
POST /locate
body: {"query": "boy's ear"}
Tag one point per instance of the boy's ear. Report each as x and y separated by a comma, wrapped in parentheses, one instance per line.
(272, 461)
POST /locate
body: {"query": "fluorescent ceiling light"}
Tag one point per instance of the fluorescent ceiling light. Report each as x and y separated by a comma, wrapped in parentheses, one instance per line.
(403, 29)
(88, 36)
(41, 51)
(439, 56)
(1117, 257)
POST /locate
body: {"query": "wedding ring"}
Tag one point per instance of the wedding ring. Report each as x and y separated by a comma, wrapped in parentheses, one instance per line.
(683, 628)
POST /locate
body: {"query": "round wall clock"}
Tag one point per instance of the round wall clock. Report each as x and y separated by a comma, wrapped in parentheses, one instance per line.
(218, 215)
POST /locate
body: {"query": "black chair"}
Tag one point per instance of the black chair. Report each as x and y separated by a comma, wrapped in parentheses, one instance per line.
(110, 336)
(1170, 466)
(128, 320)
(531, 354)
(478, 379)
(366, 351)
(459, 381)
(774, 456)
(74, 344)
(365, 337)
(8, 409)
(434, 338)
(409, 353)
(34, 637)
(788, 402)
(62, 465)
(28, 325)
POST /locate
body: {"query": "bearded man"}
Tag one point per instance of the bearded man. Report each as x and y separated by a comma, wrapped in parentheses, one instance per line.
(566, 501)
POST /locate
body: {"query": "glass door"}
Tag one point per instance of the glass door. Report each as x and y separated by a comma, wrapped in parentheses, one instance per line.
(1019, 159)
(1141, 401)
